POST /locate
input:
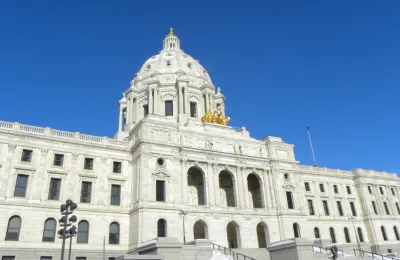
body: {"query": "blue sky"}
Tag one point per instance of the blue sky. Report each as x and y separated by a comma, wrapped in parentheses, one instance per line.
(282, 65)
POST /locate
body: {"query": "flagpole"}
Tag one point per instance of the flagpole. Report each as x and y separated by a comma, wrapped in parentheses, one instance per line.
(312, 149)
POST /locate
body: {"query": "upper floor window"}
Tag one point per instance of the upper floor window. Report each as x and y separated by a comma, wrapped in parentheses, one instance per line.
(321, 187)
(145, 110)
(296, 230)
(58, 160)
(13, 228)
(353, 208)
(20, 186)
(398, 207)
(86, 191)
(54, 190)
(360, 235)
(88, 164)
(161, 228)
(316, 233)
(381, 190)
(335, 189)
(370, 189)
(117, 167)
(348, 190)
(289, 198)
(339, 206)
(114, 233)
(115, 194)
(83, 232)
(160, 186)
(169, 108)
(311, 207)
(393, 192)
(396, 233)
(332, 234)
(326, 208)
(8, 257)
(26, 155)
(386, 207)
(193, 109)
(46, 258)
(49, 232)
(307, 186)
(374, 207)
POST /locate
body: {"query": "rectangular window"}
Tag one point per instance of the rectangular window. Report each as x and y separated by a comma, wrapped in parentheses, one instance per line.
(289, 198)
(46, 258)
(145, 110)
(193, 109)
(117, 167)
(8, 258)
(160, 186)
(370, 189)
(339, 207)
(326, 208)
(80, 258)
(398, 208)
(393, 192)
(321, 187)
(86, 191)
(58, 160)
(353, 208)
(88, 164)
(307, 186)
(381, 190)
(26, 155)
(386, 207)
(348, 189)
(311, 207)
(169, 108)
(115, 194)
(374, 207)
(335, 189)
(111, 258)
(54, 190)
(20, 186)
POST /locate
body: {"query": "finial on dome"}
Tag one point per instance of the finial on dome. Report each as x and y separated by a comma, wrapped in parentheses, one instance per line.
(171, 31)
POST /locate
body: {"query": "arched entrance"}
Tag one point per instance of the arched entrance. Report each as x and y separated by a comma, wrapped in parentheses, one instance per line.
(226, 189)
(253, 186)
(262, 235)
(195, 186)
(233, 235)
(200, 230)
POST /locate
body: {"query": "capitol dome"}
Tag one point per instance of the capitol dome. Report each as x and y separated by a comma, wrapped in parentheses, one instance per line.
(172, 60)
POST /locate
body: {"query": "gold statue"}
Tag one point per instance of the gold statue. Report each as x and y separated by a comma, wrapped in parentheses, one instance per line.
(171, 31)
(215, 118)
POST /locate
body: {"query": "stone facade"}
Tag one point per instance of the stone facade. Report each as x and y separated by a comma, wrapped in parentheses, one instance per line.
(237, 191)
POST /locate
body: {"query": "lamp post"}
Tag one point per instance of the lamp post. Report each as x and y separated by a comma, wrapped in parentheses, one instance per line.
(183, 214)
(66, 210)
(352, 218)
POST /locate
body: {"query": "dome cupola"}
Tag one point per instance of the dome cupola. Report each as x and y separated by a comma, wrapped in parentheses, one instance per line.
(171, 42)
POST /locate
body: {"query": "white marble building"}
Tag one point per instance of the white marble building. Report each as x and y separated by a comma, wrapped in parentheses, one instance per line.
(237, 191)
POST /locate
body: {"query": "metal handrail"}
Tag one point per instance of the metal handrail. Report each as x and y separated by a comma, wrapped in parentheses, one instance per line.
(363, 253)
(234, 254)
(339, 251)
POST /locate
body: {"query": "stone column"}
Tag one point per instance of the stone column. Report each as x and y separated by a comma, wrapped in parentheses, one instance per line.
(5, 180)
(210, 186)
(246, 202)
(184, 181)
(128, 111)
(186, 101)
(206, 101)
(37, 181)
(180, 106)
(216, 186)
(137, 109)
(150, 105)
(240, 188)
(120, 120)
(132, 110)
(235, 186)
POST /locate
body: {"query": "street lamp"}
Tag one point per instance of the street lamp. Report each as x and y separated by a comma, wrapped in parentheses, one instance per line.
(64, 233)
(352, 218)
(183, 214)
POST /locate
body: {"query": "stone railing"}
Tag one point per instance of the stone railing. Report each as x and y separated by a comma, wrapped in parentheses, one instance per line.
(319, 169)
(46, 131)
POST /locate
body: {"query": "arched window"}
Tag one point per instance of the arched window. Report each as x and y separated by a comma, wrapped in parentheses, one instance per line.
(13, 228)
(347, 235)
(161, 228)
(114, 233)
(396, 233)
(83, 232)
(49, 231)
(296, 230)
(316, 233)
(332, 234)
(384, 233)
(360, 234)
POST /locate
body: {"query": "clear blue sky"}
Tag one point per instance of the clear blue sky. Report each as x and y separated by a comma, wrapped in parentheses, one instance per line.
(333, 65)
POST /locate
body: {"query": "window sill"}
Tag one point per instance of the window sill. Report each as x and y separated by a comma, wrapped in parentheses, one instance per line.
(116, 177)
(88, 175)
